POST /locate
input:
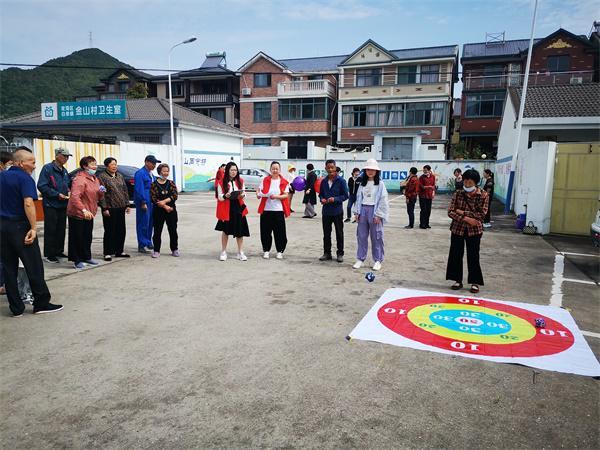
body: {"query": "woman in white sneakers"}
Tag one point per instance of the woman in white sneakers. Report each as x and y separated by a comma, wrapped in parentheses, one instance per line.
(274, 207)
(371, 211)
(231, 210)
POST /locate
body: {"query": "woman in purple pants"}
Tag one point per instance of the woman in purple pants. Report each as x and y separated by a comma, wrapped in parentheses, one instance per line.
(371, 211)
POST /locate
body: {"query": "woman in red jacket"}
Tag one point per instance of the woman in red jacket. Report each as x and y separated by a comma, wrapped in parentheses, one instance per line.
(86, 192)
(231, 211)
(273, 209)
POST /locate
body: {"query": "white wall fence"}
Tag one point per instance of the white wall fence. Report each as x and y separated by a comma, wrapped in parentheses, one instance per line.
(392, 172)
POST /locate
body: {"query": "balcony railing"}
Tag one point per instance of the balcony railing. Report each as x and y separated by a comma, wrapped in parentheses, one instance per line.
(211, 98)
(305, 88)
(472, 82)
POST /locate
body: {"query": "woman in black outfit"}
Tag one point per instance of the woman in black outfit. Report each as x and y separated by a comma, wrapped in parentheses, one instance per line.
(489, 188)
(163, 194)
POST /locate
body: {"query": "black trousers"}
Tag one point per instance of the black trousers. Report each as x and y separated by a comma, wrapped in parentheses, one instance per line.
(338, 222)
(410, 209)
(80, 239)
(159, 217)
(454, 270)
(425, 205)
(13, 248)
(55, 226)
(488, 215)
(272, 224)
(114, 231)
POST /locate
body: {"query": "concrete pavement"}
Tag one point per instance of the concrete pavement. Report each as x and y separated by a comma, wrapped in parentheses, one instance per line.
(191, 352)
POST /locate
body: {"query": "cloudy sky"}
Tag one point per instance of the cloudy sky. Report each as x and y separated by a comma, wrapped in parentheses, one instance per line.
(140, 32)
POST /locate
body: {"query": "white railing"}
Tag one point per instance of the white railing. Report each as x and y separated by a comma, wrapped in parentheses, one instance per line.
(535, 79)
(208, 98)
(305, 88)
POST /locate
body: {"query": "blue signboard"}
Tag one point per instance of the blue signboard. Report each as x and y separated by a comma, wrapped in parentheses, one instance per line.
(97, 110)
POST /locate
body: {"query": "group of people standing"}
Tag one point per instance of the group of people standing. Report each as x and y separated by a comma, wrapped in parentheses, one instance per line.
(368, 203)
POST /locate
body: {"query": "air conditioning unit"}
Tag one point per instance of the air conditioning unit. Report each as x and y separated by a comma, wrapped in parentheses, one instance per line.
(246, 91)
(576, 80)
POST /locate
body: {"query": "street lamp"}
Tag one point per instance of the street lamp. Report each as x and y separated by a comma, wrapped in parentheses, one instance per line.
(187, 41)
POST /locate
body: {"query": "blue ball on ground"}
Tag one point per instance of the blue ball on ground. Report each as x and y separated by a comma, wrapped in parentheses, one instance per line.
(370, 276)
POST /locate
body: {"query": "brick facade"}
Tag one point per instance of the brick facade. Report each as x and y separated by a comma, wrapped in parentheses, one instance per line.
(275, 128)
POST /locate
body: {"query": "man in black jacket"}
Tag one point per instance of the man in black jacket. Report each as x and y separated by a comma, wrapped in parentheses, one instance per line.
(353, 184)
(310, 195)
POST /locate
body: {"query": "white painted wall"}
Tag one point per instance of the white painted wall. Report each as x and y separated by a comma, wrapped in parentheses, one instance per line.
(534, 180)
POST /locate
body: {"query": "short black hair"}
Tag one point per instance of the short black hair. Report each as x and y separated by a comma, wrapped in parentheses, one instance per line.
(86, 160)
(6, 157)
(413, 170)
(161, 167)
(427, 166)
(471, 174)
(108, 160)
(356, 169)
(489, 173)
(338, 169)
(275, 162)
(457, 170)
(330, 161)
(309, 166)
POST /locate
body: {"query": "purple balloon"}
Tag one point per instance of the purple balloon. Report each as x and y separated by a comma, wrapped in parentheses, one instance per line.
(299, 183)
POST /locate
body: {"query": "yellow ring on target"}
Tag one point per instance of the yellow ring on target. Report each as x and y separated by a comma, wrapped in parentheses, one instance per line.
(520, 331)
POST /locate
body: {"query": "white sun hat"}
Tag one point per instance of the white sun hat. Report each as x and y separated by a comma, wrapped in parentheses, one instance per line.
(371, 164)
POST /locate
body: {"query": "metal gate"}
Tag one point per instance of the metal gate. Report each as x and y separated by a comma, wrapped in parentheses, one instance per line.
(576, 192)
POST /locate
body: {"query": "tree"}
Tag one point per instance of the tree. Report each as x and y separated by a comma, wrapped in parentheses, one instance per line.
(139, 90)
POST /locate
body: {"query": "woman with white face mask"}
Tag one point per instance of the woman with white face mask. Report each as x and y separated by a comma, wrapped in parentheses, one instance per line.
(86, 193)
(467, 210)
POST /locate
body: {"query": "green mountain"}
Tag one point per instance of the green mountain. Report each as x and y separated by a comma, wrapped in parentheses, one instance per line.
(22, 91)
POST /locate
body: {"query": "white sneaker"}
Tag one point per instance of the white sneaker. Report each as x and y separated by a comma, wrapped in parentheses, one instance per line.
(279, 255)
(266, 255)
(223, 256)
(357, 264)
(487, 225)
(377, 265)
(242, 257)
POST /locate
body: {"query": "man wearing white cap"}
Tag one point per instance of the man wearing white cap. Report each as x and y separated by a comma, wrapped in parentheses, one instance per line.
(54, 183)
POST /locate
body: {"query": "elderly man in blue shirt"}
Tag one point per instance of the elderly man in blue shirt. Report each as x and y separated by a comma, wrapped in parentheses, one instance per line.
(143, 179)
(18, 235)
(333, 193)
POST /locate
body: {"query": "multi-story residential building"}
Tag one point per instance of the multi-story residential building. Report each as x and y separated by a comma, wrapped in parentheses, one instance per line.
(116, 85)
(397, 102)
(211, 89)
(289, 99)
(491, 67)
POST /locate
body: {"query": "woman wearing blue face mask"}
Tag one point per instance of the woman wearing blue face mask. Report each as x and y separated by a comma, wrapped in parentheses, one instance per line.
(86, 192)
(467, 210)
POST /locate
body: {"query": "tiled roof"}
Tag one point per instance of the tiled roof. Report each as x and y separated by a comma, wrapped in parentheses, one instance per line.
(559, 101)
(316, 64)
(506, 48)
(330, 63)
(426, 52)
(148, 109)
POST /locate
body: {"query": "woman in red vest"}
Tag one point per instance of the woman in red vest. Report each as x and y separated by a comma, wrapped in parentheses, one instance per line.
(273, 209)
(231, 210)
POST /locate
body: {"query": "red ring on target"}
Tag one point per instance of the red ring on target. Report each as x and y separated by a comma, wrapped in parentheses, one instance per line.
(552, 339)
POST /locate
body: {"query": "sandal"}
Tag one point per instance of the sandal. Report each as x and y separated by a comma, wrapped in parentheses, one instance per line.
(456, 286)
(474, 289)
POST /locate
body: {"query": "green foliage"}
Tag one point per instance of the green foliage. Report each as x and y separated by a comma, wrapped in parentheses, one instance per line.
(138, 91)
(22, 91)
(460, 151)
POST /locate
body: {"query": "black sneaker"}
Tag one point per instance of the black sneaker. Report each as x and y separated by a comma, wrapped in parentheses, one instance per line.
(347, 220)
(49, 308)
(62, 255)
(326, 257)
(340, 258)
(409, 226)
(52, 259)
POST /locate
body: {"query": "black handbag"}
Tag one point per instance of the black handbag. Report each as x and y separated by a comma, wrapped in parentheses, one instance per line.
(530, 228)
